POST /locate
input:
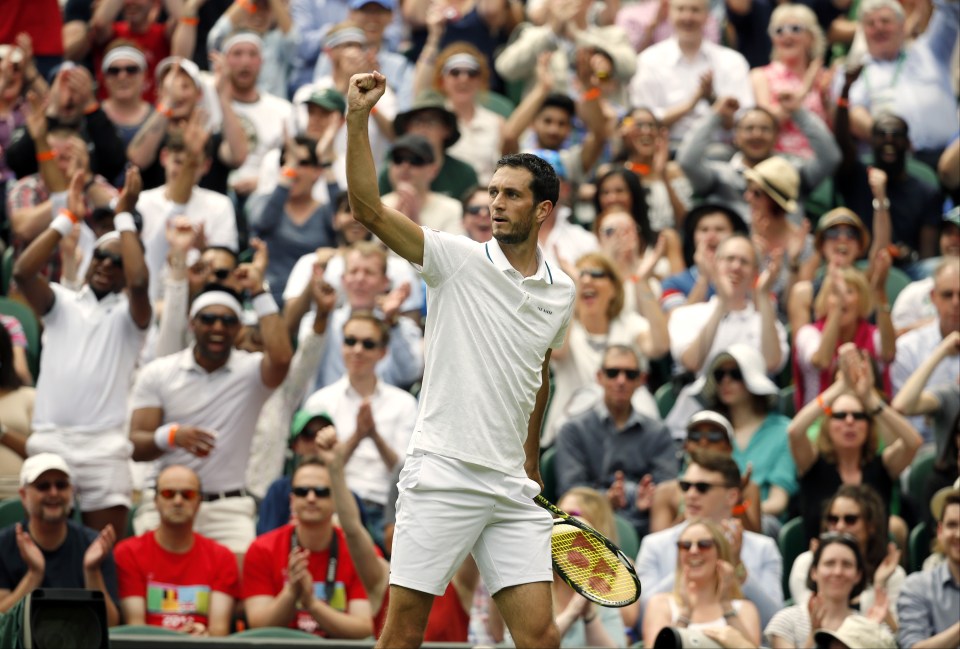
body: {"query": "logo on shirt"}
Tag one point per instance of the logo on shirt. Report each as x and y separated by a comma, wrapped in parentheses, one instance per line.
(542, 310)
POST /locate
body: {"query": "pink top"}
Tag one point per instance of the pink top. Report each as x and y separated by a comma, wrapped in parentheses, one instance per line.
(781, 79)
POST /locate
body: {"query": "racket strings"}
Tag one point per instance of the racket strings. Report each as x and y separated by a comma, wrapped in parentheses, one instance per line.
(583, 559)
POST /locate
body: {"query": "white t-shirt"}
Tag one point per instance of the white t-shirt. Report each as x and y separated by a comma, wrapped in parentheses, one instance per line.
(479, 143)
(438, 212)
(486, 339)
(913, 304)
(264, 122)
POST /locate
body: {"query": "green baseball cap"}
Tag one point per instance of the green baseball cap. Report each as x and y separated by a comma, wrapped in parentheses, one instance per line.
(328, 98)
(304, 417)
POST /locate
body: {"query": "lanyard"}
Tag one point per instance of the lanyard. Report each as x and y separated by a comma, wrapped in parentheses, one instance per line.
(331, 562)
(896, 73)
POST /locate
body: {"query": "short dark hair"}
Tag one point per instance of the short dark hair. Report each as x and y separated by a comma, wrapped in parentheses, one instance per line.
(718, 463)
(848, 541)
(544, 183)
(561, 101)
(368, 316)
(761, 109)
(310, 460)
(175, 143)
(226, 250)
(311, 144)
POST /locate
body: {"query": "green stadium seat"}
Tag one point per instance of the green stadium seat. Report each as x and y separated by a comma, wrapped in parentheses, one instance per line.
(919, 546)
(792, 542)
(143, 629)
(548, 473)
(920, 470)
(6, 271)
(666, 396)
(11, 511)
(627, 536)
(277, 632)
(497, 103)
(785, 402)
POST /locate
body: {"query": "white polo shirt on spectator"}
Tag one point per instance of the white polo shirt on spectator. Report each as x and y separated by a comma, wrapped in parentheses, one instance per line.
(90, 350)
(264, 121)
(913, 348)
(205, 208)
(486, 339)
(394, 413)
(226, 401)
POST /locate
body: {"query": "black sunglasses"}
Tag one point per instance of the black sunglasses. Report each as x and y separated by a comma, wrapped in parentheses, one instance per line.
(210, 319)
(702, 487)
(61, 485)
(102, 255)
(595, 273)
(319, 492)
(789, 29)
(841, 415)
(186, 494)
(848, 519)
(114, 71)
(838, 231)
(222, 273)
(614, 372)
(459, 72)
(702, 544)
(413, 161)
(478, 209)
(734, 373)
(712, 436)
(367, 343)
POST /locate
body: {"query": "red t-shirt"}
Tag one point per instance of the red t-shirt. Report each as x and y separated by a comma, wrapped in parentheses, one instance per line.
(265, 573)
(39, 18)
(176, 587)
(155, 48)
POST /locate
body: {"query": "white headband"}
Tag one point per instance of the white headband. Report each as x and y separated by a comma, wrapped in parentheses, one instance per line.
(348, 35)
(215, 298)
(461, 61)
(113, 235)
(243, 37)
(124, 52)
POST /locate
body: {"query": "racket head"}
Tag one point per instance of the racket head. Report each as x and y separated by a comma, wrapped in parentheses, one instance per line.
(589, 562)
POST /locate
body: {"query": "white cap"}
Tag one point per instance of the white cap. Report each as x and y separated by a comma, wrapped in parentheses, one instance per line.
(36, 465)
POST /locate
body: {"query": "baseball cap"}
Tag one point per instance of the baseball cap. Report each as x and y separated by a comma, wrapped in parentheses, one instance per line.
(36, 465)
(711, 417)
(304, 417)
(857, 632)
(328, 98)
(418, 145)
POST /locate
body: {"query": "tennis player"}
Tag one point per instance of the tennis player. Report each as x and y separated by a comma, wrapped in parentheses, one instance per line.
(495, 310)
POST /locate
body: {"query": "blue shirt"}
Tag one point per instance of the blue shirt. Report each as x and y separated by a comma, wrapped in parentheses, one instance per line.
(929, 602)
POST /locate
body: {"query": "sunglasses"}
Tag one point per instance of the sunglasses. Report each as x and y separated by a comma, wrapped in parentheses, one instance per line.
(702, 544)
(222, 273)
(210, 319)
(319, 492)
(702, 487)
(413, 161)
(61, 485)
(712, 436)
(614, 372)
(186, 494)
(114, 71)
(848, 519)
(734, 373)
(367, 343)
(476, 210)
(841, 415)
(594, 273)
(789, 29)
(102, 255)
(461, 72)
(840, 231)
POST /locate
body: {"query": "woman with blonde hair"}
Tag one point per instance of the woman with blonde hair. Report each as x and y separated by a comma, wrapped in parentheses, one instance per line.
(706, 591)
(795, 77)
(842, 308)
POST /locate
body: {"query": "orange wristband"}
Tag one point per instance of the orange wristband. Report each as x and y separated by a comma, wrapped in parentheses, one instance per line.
(163, 110)
(70, 215)
(46, 156)
(741, 509)
(171, 440)
(288, 172)
(590, 95)
(92, 109)
(192, 21)
(827, 410)
(843, 103)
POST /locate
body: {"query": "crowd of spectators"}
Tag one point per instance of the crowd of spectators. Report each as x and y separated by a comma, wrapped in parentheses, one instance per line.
(760, 389)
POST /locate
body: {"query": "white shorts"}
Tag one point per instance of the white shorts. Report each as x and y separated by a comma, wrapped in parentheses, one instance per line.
(228, 521)
(100, 463)
(449, 508)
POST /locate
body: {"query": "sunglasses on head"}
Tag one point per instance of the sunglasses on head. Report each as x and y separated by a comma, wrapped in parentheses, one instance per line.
(115, 70)
(702, 544)
(186, 494)
(319, 492)
(593, 273)
(413, 161)
(61, 485)
(212, 318)
(838, 231)
(614, 372)
(460, 72)
(712, 436)
(702, 487)
(789, 29)
(367, 343)
(841, 415)
(848, 519)
(102, 255)
(733, 372)
(476, 210)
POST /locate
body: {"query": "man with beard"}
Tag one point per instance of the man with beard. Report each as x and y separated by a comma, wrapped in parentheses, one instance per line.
(199, 407)
(172, 576)
(53, 551)
(496, 310)
(92, 338)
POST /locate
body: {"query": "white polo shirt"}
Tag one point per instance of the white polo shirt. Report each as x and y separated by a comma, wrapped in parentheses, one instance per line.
(207, 208)
(90, 350)
(486, 339)
(226, 401)
(394, 414)
(913, 348)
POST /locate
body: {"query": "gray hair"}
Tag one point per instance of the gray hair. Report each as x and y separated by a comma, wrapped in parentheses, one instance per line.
(869, 6)
(627, 350)
(802, 15)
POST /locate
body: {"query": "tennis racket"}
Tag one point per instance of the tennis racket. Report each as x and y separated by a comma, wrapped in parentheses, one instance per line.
(589, 562)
